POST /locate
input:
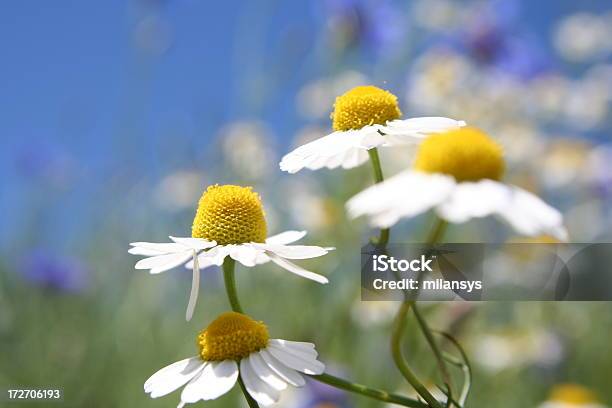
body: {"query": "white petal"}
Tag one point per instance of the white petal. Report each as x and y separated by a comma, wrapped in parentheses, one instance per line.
(194, 243)
(306, 349)
(195, 288)
(217, 255)
(293, 268)
(525, 212)
(353, 158)
(287, 374)
(145, 251)
(173, 376)
(246, 254)
(474, 200)
(531, 216)
(162, 248)
(304, 344)
(261, 391)
(346, 149)
(300, 362)
(293, 251)
(410, 131)
(162, 263)
(407, 194)
(286, 237)
(261, 369)
(216, 379)
(203, 261)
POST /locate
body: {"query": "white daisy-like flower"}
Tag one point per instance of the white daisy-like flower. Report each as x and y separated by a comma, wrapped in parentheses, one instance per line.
(230, 221)
(571, 396)
(457, 174)
(234, 345)
(364, 118)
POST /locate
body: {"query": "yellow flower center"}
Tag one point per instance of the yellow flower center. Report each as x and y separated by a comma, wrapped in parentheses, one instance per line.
(232, 336)
(468, 154)
(573, 394)
(230, 215)
(363, 106)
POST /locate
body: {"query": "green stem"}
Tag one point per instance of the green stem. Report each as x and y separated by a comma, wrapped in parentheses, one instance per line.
(432, 344)
(367, 391)
(435, 236)
(383, 238)
(400, 324)
(232, 295)
(375, 159)
(396, 351)
(252, 403)
(230, 284)
(437, 232)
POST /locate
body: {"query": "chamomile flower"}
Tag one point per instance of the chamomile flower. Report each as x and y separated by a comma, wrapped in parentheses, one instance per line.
(229, 221)
(571, 396)
(363, 118)
(235, 345)
(457, 174)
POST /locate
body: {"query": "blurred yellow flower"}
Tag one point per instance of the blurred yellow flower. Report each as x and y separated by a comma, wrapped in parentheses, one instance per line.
(456, 174)
(571, 396)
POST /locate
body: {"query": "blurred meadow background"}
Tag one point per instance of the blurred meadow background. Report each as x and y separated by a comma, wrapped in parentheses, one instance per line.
(115, 115)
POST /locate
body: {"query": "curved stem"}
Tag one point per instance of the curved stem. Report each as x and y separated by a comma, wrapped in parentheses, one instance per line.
(382, 242)
(432, 344)
(396, 351)
(252, 403)
(230, 284)
(400, 323)
(368, 391)
(435, 236)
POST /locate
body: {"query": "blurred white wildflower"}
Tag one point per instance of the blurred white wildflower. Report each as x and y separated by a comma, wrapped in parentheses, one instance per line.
(308, 207)
(587, 105)
(563, 161)
(521, 140)
(600, 75)
(247, 149)
(438, 74)
(583, 36)
(598, 170)
(179, 190)
(315, 98)
(153, 35)
(586, 220)
(549, 94)
(438, 15)
(376, 313)
(495, 352)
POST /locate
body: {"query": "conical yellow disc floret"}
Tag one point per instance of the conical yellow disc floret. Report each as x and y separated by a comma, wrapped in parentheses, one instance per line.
(573, 394)
(468, 154)
(363, 106)
(230, 215)
(232, 336)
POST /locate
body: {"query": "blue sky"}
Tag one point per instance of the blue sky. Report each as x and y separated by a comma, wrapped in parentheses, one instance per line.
(72, 81)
